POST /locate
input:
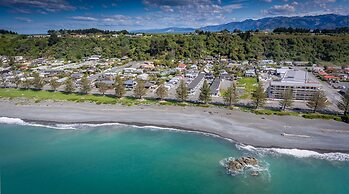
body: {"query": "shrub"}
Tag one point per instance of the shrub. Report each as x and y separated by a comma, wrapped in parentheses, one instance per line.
(182, 104)
(321, 116)
(204, 105)
(345, 118)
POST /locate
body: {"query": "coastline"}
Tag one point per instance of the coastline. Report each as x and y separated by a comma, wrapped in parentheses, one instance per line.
(241, 127)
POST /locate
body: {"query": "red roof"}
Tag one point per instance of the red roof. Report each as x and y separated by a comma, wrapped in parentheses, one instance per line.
(322, 73)
(330, 77)
(182, 66)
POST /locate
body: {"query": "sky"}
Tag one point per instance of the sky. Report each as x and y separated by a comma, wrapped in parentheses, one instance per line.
(38, 16)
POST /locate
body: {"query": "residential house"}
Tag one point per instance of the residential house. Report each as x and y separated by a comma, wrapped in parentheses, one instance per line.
(250, 73)
(196, 83)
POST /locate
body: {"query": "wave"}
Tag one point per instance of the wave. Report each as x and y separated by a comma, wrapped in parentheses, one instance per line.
(18, 121)
(298, 153)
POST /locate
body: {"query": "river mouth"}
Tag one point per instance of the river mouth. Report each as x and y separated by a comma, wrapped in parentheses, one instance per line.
(110, 158)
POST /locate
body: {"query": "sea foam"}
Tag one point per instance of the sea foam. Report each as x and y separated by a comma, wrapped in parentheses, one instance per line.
(298, 153)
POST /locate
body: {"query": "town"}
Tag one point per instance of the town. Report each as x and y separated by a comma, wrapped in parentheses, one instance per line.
(174, 96)
(214, 79)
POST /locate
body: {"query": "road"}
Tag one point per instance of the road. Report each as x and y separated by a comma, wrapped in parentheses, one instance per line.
(332, 94)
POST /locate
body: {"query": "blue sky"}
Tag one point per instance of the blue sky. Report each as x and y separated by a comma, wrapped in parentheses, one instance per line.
(38, 16)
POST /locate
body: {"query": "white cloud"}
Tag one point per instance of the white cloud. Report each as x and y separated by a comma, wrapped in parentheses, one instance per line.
(23, 19)
(84, 18)
(43, 5)
(190, 13)
(286, 9)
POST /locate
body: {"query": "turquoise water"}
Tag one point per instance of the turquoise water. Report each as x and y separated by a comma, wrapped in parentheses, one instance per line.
(126, 159)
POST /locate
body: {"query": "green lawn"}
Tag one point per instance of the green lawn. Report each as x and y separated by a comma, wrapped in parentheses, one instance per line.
(59, 96)
(249, 84)
(40, 95)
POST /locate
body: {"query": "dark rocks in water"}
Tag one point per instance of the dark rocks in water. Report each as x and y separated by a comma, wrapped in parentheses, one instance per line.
(254, 173)
(236, 165)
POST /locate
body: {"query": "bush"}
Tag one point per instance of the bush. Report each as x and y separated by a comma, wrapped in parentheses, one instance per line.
(165, 103)
(345, 118)
(182, 104)
(285, 113)
(204, 105)
(274, 112)
(263, 112)
(321, 116)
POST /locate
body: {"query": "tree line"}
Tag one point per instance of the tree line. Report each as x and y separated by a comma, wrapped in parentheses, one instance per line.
(169, 47)
(340, 30)
(2, 31)
(86, 31)
(230, 95)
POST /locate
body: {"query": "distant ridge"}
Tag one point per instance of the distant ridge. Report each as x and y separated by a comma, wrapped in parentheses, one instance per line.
(170, 30)
(328, 21)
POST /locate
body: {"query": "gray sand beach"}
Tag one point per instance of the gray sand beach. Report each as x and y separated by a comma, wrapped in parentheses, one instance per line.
(243, 127)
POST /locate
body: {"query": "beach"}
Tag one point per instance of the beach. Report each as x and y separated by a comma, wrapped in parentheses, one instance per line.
(242, 127)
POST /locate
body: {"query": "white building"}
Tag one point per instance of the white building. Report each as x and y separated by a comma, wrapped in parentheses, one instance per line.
(298, 82)
(250, 73)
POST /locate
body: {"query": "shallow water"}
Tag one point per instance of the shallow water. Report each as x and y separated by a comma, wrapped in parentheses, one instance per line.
(129, 159)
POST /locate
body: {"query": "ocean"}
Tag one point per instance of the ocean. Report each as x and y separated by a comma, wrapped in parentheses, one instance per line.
(116, 158)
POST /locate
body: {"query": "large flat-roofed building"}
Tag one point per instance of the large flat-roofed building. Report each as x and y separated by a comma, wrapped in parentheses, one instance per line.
(298, 81)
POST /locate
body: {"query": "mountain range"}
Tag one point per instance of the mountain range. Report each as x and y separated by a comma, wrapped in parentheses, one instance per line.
(328, 21)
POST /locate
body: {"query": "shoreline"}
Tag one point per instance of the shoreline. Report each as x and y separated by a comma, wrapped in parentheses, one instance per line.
(260, 131)
(184, 130)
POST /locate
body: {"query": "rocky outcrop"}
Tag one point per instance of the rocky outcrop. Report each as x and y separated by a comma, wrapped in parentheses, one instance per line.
(237, 165)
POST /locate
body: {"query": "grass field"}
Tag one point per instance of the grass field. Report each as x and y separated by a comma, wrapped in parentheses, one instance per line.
(59, 96)
(40, 95)
(249, 84)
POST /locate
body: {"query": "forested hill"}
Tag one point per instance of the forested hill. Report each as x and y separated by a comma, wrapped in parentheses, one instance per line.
(329, 21)
(242, 46)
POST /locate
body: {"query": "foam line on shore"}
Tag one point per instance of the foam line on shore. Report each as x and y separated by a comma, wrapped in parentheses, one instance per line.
(298, 153)
(18, 121)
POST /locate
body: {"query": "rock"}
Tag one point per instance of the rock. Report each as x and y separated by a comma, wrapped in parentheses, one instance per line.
(236, 165)
(254, 173)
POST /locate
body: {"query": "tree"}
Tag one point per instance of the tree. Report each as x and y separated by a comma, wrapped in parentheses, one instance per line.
(69, 85)
(258, 96)
(54, 84)
(3, 81)
(38, 82)
(161, 91)
(140, 90)
(53, 39)
(102, 87)
(17, 81)
(230, 95)
(27, 83)
(119, 87)
(11, 62)
(205, 95)
(182, 91)
(344, 103)
(317, 101)
(287, 99)
(85, 85)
